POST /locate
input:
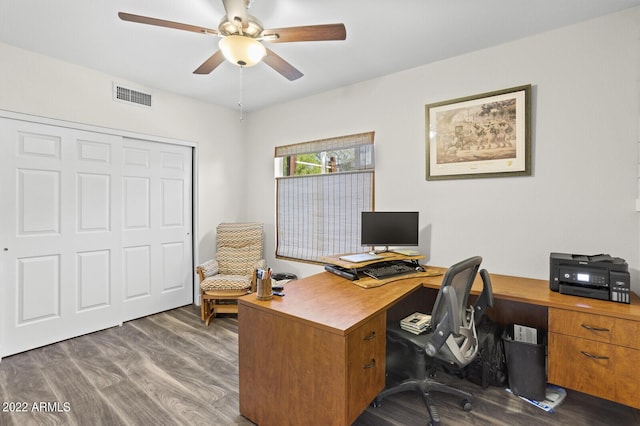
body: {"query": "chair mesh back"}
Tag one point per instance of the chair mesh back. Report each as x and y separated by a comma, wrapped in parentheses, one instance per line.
(460, 277)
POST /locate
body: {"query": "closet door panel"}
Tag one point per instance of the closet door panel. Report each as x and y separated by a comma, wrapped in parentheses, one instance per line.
(157, 233)
(60, 232)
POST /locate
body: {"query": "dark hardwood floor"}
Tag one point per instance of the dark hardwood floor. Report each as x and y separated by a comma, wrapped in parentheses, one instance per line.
(169, 369)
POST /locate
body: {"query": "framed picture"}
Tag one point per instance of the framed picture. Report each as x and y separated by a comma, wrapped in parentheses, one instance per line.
(486, 135)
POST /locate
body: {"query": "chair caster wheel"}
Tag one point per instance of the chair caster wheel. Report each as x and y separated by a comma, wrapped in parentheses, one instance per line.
(466, 405)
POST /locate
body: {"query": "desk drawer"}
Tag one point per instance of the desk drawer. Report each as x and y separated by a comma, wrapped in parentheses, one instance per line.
(600, 369)
(600, 328)
(365, 364)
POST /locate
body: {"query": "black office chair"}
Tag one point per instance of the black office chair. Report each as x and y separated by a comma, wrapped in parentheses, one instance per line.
(450, 340)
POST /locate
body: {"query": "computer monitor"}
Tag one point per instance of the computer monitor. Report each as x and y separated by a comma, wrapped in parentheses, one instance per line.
(389, 229)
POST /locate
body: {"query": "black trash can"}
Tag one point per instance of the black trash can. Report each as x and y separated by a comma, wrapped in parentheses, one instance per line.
(526, 364)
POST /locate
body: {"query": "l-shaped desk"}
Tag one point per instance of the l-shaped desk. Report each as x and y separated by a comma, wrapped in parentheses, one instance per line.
(317, 355)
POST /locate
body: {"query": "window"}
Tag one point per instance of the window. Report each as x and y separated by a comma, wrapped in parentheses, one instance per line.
(322, 187)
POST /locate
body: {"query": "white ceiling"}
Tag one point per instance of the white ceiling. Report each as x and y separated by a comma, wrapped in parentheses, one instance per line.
(383, 37)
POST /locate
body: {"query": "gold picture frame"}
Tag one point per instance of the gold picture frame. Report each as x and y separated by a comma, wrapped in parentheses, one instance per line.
(485, 135)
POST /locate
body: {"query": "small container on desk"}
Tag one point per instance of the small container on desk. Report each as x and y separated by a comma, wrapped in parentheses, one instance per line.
(263, 284)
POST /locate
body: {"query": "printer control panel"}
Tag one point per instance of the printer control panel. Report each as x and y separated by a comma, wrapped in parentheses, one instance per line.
(584, 276)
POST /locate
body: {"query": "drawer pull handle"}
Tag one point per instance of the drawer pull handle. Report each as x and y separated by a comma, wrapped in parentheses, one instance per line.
(371, 336)
(587, 354)
(370, 365)
(589, 327)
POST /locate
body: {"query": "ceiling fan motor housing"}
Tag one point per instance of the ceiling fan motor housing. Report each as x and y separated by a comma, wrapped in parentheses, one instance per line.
(229, 27)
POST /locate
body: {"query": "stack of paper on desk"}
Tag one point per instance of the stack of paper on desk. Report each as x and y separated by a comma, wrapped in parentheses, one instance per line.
(361, 257)
(416, 323)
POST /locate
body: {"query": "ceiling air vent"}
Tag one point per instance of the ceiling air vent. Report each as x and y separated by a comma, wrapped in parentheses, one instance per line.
(124, 94)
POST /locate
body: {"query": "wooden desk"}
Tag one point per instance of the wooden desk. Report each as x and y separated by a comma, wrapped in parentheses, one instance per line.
(317, 355)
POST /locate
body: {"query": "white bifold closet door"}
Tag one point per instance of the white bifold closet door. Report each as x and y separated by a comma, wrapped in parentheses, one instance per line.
(95, 229)
(156, 227)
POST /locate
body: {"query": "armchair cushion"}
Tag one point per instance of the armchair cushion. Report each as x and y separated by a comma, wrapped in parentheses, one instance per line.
(226, 283)
(217, 281)
(238, 260)
(239, 234)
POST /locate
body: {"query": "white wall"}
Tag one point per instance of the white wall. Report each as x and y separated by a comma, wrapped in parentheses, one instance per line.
(38, 85)
(581, 196)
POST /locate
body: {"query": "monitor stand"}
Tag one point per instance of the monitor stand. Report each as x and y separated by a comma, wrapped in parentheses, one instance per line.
(378, 251)
(406, 252)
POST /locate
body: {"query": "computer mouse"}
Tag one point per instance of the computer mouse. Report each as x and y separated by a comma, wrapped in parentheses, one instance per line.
(420, 268)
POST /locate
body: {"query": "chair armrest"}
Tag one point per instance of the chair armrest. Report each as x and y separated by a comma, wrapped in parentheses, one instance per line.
(485, 300)
(438, 337)
(447, 325)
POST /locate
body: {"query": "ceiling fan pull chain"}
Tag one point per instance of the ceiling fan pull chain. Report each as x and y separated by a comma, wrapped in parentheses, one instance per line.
(240, 100)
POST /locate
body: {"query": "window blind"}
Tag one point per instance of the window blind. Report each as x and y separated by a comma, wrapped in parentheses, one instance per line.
(329, 144)
(320, 215)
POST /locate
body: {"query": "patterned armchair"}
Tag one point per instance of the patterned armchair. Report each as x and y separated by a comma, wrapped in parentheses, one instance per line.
(232, 273)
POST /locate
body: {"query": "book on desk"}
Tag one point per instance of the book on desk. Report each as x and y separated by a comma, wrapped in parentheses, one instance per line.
(416, 323)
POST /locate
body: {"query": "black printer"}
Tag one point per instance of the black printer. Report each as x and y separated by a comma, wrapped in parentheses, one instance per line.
(599, 276)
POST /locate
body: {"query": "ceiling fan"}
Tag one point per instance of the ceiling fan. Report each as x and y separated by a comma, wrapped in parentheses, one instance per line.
(242, 36)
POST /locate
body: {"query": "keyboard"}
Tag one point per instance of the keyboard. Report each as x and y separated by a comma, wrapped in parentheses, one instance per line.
(384, 270)
(349, 274)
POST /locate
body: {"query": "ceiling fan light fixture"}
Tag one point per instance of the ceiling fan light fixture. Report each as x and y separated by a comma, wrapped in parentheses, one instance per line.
(241, 50)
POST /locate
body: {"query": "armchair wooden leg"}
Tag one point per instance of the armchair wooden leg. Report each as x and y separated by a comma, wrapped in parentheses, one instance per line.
(210, 317)
(207, 310)
(203, 306)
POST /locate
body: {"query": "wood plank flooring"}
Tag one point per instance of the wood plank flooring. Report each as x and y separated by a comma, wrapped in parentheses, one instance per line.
(169, 369)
